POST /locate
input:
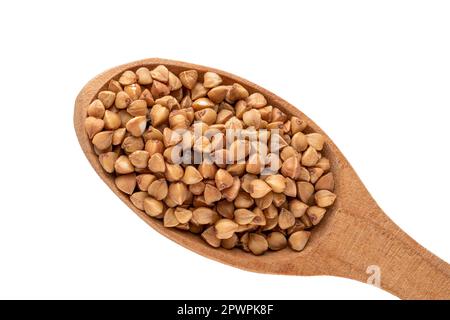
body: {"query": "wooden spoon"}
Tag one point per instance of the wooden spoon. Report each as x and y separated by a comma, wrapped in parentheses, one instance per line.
(355, 238)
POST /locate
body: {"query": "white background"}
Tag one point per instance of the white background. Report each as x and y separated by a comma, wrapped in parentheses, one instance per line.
(375, 75)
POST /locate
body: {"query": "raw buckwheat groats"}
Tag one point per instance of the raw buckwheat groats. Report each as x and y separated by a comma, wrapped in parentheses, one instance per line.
(211, 158)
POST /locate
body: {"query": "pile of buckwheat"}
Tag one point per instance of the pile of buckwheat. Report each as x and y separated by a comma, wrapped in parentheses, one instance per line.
(211, 158)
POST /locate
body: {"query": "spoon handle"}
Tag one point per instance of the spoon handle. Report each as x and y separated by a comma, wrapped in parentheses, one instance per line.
(366, 245)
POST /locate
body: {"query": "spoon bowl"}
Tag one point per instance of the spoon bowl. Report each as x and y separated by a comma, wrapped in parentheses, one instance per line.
(355, 240)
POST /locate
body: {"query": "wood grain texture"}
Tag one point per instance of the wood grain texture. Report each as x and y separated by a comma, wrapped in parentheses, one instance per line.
(354, 234)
